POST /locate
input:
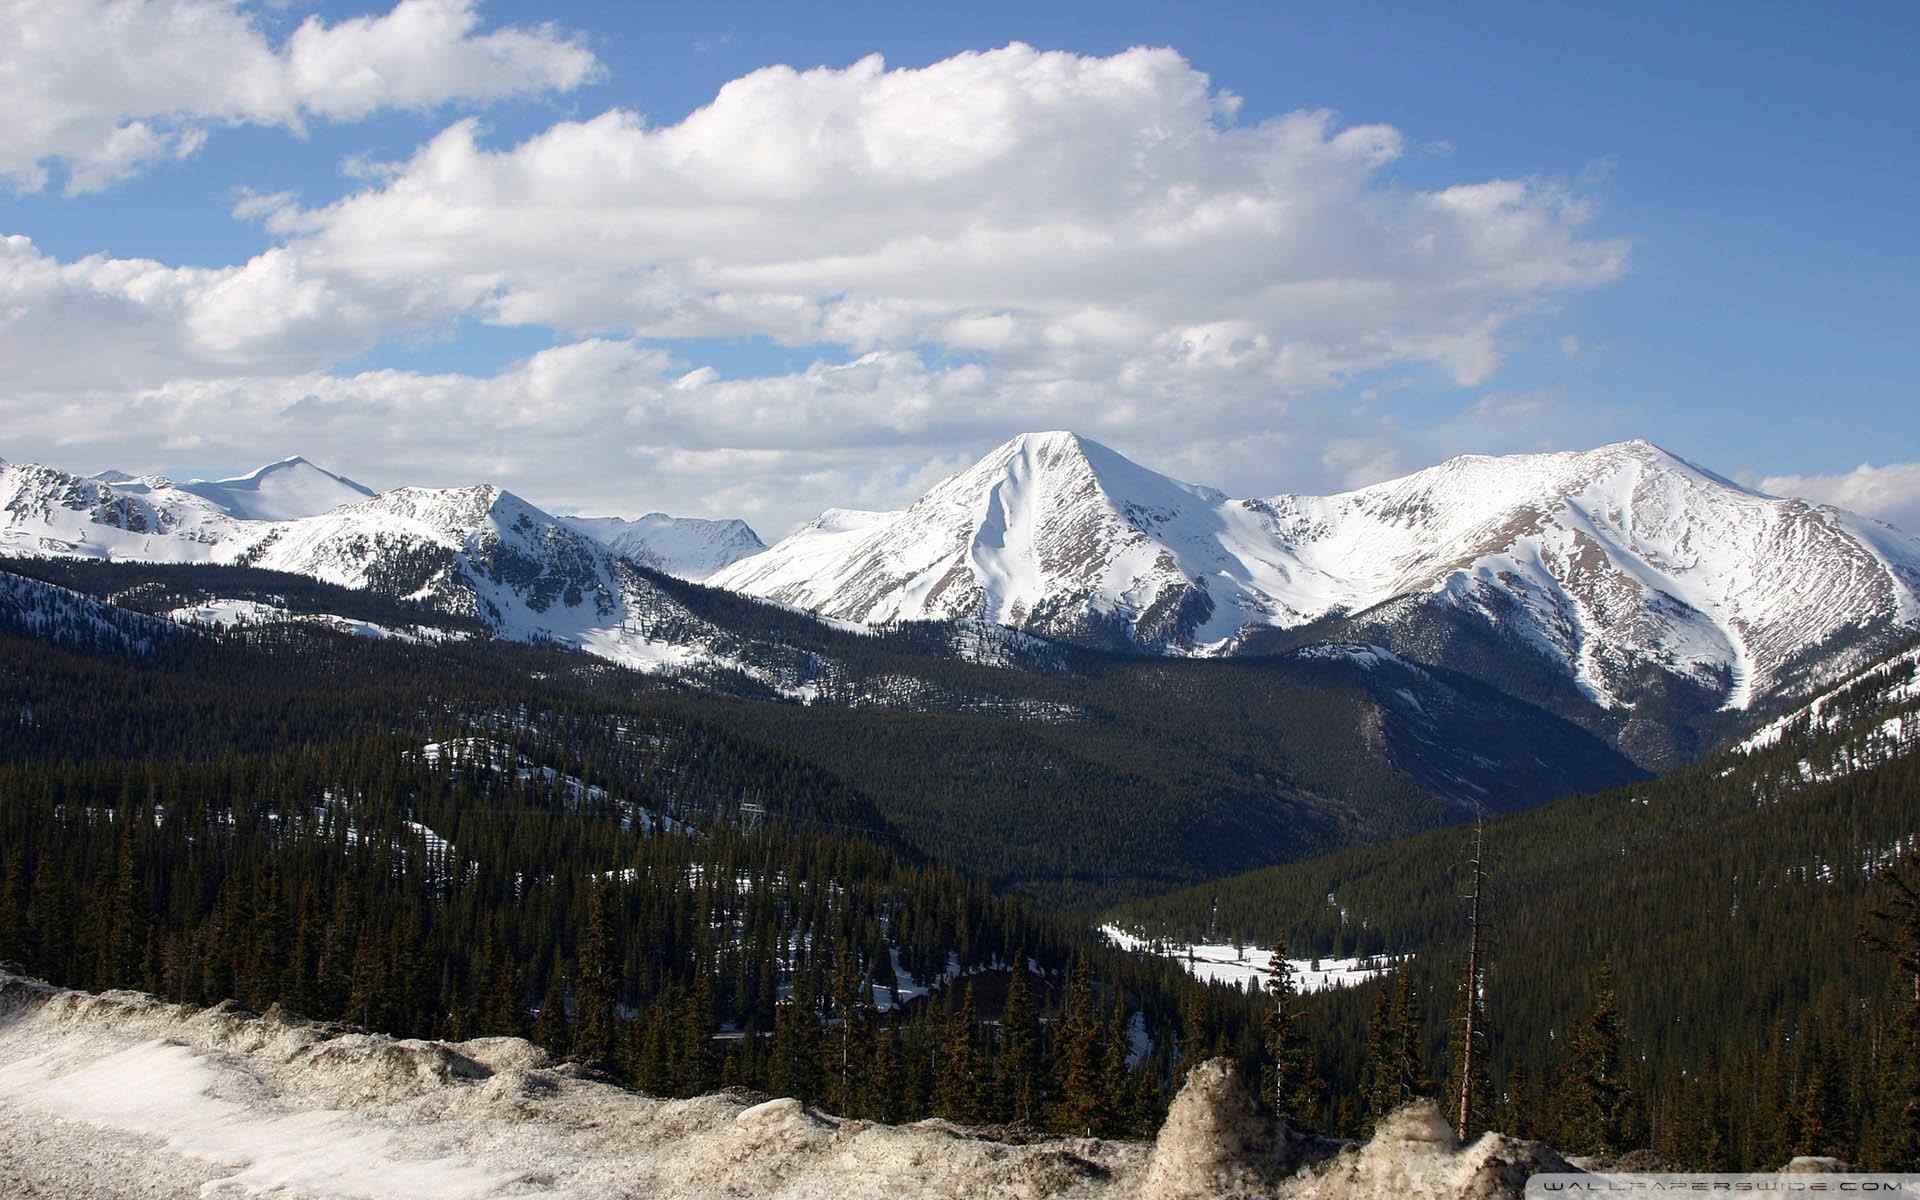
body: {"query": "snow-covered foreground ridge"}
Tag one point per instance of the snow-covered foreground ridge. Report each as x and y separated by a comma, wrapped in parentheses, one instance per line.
(121, 1095)
(1608, 561)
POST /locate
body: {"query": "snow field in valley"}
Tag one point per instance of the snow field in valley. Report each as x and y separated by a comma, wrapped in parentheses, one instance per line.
(1243, 965)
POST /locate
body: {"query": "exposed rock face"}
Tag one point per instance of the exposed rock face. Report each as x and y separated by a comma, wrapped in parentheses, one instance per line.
(123, 1095)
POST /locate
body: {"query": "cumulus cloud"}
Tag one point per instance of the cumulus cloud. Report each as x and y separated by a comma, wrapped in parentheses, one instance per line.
(101, 321)
(1890, 493)
(1002, 240)
(618, 426)
(601, 425)
(109, 87)
(1024, 204)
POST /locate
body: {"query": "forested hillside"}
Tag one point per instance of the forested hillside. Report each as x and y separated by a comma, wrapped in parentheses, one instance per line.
(1066, 774)
(463, 891)
(1717, 913)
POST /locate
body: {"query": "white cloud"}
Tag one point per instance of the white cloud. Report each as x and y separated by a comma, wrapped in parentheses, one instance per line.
(105, 322)
(999, 241)
(1024, 203)
(617, 426)
(1890, 493)
(108, 87)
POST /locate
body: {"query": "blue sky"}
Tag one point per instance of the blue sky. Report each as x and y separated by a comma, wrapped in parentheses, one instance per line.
(1716, 250)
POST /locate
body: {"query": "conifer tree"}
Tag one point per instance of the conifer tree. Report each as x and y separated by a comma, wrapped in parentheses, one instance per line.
(1294, 1084)
(334, 982)
(957, 1094)
(298, 994)
(267, 945)
(125, 920)
(1467, 1088)
(16, 942)
(504, 1014)
(1894, 929)
(843, 1071)
(1115, 1077)
(1078, 1058)
(885, 1100)
(795, 1070)
(1594, 1092)
(697, 1027)
(651, 1069)
(1017, 1075)
(367, 989)
(1467, 1082)
(596, 986)
(1395, 1060)
(1146, 1102)
(552, 1028)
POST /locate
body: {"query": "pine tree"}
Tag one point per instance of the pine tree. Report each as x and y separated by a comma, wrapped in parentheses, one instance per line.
(338, 953)
(1594, 1091)
(1382, 1092)
(126, 914)
(267, 951)
(884, 1094)
(957, 1095)
(596, 987)
(1395, 1061)
(299, 993)
(1078, 1058)
(16, 935)
(652, 1068)
(551, 1027)
(504, 1014)
(1018, 1074)
(1518, 1113)
(1115, 1077)
(796, 1043)
(367, 989)
(843, 1070)
(1294, 1085)
(697, 1027)
(1894, 929)
(1467, 1085)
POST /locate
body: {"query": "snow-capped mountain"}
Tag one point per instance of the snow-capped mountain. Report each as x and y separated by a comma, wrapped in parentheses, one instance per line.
(689, 547)
(1625, 568)
(1884, 695)
(478, 550)
(46, 511)
(1050, 533)
(281, 491)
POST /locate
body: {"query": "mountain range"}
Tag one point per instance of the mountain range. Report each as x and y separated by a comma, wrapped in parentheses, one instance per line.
(1622, 586)
(1656, 603)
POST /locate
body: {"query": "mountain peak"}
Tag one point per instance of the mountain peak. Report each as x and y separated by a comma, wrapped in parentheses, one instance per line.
(1065, 455)
(284, 490)
(1048, 439)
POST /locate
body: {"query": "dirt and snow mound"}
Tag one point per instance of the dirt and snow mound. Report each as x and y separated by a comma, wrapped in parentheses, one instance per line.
(1414, 1153)
(1213, 1143)
(122, 1095)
